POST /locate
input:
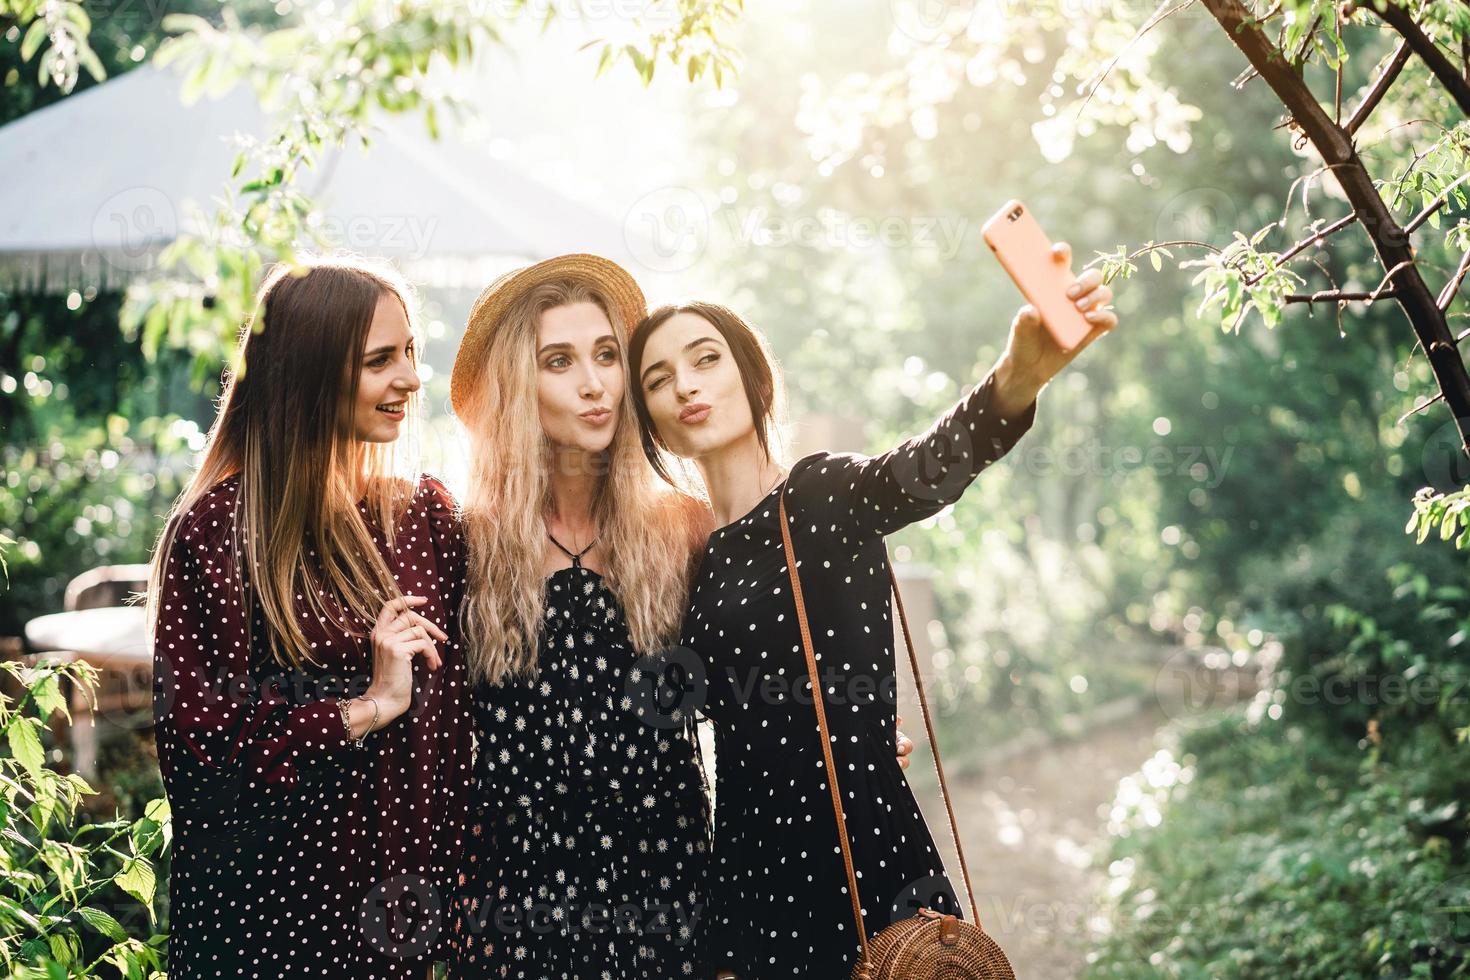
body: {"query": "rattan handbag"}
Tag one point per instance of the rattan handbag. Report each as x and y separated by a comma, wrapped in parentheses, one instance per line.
(929, 945)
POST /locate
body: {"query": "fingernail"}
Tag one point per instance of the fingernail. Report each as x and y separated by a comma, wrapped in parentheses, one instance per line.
(1074, 289)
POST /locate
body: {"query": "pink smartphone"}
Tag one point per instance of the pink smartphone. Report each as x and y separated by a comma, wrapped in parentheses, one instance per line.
(1025, 252)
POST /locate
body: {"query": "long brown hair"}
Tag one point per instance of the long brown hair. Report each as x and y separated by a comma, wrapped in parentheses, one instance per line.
(758, 375)
(285, 428)
(509, 494)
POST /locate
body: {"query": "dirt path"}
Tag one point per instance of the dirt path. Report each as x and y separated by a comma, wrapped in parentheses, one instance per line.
(1031, 825)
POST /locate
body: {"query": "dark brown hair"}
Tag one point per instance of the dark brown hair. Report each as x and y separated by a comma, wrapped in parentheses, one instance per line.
(285, 426)
(752, 355)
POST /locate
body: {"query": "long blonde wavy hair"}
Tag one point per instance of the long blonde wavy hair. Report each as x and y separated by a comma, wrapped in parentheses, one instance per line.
(285, 427)
(509, 494)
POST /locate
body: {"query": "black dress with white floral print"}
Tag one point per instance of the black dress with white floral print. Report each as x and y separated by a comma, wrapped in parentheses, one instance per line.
(590, 827)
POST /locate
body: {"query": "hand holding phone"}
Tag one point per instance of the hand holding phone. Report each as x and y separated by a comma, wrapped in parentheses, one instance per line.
(1026, 254)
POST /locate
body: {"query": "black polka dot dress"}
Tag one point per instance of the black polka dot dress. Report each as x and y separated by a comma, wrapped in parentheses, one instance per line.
(778, 892)
(590, 826)
(297, 854)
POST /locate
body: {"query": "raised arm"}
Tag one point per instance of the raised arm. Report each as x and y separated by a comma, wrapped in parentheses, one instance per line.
(857, 497)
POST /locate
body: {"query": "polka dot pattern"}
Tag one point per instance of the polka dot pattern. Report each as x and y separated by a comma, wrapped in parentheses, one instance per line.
(779, 904)
(295, 852)
(590, 832)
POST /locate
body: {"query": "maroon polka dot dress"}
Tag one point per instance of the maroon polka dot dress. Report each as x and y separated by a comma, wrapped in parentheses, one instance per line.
(295, 853)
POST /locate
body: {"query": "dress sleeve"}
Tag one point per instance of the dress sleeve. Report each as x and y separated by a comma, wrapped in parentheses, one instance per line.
(859, 497)
(231, 752)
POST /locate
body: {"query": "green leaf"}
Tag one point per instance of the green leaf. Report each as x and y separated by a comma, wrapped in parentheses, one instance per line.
(186, 24)
(103, 923)
(26, 746)
(63, 956)
(74, 13)
(159, 813)
(9, 909)
(49, 698)
(639, 61)
(32, 43)
(136, 878)
(608, 53)
(89, 60)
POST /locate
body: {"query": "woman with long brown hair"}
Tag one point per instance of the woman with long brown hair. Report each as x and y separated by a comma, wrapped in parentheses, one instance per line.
(707, 389)
(589, 820)
(308, 674)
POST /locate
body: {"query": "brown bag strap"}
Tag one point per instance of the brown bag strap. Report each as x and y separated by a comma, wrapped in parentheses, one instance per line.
(954, 829)
(821, 711)
(817, 703)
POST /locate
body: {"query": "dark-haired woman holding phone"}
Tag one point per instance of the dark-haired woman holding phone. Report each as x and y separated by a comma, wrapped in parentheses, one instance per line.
(707, 389)
(308, 680)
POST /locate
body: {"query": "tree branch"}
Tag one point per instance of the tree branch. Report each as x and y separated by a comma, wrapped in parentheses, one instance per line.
(1447, 295)
(1419, 408)
(1334, 295)
(1434, 59)
(1380, 87)
(1307, 242)
(1435, 204)
(1391, 242)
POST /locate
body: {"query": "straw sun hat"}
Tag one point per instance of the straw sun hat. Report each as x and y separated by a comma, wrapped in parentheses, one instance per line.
(611, 280)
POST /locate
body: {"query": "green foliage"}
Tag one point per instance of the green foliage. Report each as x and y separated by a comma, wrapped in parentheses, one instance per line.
(1443, 510)
(1280, 853)
(695, 42)
(62, 879)
(59, 30)
(1240, 278)
(97, 442)
(1320, 830)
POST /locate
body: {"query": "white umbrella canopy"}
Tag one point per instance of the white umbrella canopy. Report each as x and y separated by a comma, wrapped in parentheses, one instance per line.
(97, 184)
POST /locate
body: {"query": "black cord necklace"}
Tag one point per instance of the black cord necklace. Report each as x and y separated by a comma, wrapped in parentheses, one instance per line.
(576, 556)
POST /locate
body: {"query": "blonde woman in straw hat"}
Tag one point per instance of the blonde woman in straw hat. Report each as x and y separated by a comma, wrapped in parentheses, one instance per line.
(589, 822)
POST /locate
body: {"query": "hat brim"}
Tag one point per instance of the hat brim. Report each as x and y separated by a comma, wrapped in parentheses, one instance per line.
(610, 280)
